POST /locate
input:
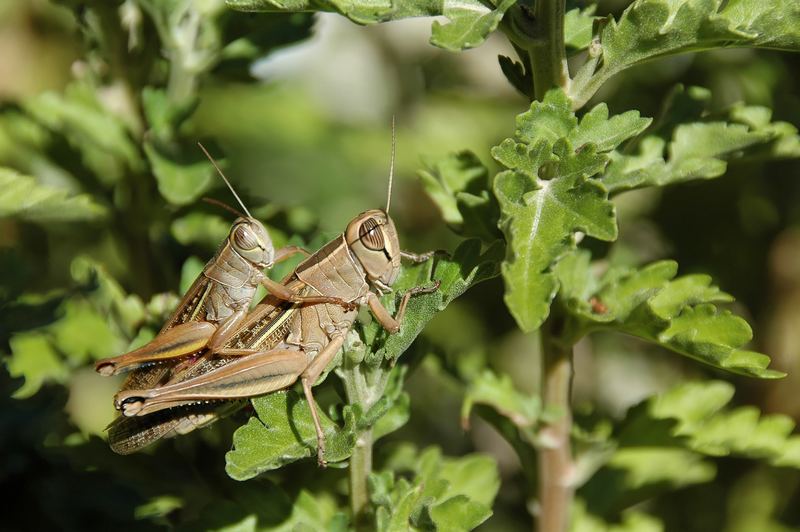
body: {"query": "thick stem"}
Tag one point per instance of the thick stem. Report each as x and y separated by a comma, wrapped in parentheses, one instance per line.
(547, 53)
(556, 468)
(360, 468)
(362, 387)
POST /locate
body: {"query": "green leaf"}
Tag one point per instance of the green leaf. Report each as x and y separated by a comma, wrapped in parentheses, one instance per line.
(459, 185)
(578, 27)
(689, 143)
(467, 267)
(470, 21)
(548, 194)
(23, 197)
(664, 443)
(648, 29)
(702, 423)
(181, 180)
(99, 135)
(631, 521)
(197, 228)
(34, 359)
(282, 432)
(676, 313)
(498, 392)
(442, 493)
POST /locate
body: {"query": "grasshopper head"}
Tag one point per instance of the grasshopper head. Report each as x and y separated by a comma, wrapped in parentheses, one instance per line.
(373, 240)
(249, 238)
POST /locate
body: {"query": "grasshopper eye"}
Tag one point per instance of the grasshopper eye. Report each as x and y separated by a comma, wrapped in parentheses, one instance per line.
(244, 238)
(371, 235)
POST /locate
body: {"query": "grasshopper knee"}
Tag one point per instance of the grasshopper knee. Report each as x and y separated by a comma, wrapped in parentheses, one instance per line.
(106, 369)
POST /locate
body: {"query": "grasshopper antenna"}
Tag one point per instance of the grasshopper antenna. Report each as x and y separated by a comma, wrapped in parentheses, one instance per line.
(391, 169)
(224, 205)
(219, 171)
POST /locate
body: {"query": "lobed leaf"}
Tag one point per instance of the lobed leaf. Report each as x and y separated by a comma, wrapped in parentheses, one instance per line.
(180, 180)
(578, 27)
(630, 521)
(688, 144)
(469, 21)
(664, 442)
(281, 432)
(441, 493)
(25, 198)
(549, 193)
(498, 393)
(676, 313)
(648, 29)
(459, 185)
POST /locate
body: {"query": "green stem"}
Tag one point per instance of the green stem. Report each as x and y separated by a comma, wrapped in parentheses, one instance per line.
(556, 467)
(362, 387)
(360, 468)
(546, 50)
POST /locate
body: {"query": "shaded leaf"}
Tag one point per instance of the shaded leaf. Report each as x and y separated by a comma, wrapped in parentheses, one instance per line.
(459, 185)
(180, 181)
(281, 432)
(443, 493)
(498, 392)
(23, 197)
(34, 359)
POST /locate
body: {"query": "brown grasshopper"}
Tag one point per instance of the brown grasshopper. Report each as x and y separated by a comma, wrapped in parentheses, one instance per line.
(218, 300)
(278, 344)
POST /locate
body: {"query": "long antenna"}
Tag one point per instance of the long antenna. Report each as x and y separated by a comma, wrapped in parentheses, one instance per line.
(391, 169)
(235, 195)
(224, 205)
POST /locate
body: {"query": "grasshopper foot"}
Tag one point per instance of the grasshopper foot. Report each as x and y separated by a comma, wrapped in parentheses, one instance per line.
(321, 462)
(417, 290)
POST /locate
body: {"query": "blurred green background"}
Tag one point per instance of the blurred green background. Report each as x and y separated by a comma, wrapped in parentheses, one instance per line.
(308, 145)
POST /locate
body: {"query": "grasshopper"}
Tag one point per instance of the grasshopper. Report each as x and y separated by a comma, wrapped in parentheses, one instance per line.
(280, 343)
(218, 300)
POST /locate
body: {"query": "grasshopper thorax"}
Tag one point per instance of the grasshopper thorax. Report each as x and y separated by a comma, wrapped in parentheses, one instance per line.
(372, 238)
(249, 239)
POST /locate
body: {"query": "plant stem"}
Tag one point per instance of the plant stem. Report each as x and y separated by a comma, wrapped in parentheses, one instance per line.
(556, 467)
(547, 53)
(360, 468)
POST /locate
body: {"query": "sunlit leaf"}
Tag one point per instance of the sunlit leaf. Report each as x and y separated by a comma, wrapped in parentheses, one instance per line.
(648, 29)
(652, 304)
(548, 194)
(470, 21)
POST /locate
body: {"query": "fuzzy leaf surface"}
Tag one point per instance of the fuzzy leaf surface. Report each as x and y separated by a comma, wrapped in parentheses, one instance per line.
(549, 192)
(442, 493)
(691, 144)
(648, 29)
(469, 22)
(651, 303)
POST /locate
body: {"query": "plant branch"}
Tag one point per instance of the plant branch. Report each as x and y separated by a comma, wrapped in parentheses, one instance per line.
(556, 467)
(547, 53)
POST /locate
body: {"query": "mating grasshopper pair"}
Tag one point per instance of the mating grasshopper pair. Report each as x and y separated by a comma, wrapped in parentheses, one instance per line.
(212, 350)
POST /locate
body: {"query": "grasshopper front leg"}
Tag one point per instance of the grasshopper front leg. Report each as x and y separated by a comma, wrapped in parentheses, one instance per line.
(392, 323)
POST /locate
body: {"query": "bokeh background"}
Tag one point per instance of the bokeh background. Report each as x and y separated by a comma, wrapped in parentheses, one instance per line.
(308, 144)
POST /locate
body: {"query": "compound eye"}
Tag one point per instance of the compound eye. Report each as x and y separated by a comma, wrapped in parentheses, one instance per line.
(371, 235)
(244, 238)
